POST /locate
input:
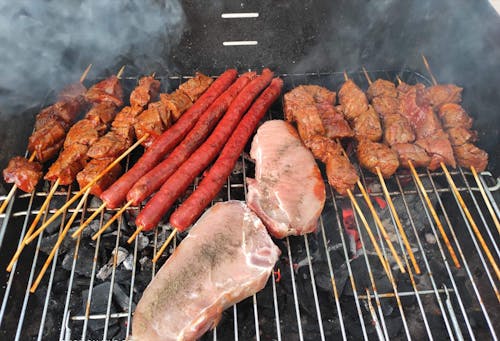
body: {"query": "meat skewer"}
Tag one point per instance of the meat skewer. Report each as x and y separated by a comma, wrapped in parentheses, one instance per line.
(155, 153)
(155, 178)
(211, 184)
(31, 172)
(462, 202)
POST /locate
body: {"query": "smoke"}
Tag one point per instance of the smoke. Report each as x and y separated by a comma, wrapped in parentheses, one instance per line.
(45, 45)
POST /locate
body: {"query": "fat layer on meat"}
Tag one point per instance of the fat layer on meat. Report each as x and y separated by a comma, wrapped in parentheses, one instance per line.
(226, 257)
(288, 192)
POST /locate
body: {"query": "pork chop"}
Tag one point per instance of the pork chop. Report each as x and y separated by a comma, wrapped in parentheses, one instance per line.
(227, 256)
(288, 192)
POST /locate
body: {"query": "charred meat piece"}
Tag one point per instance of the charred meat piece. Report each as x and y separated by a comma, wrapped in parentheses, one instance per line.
(153, 121)
(397, 129)
(411, 152)
(93, 169)
(281, 162)
(102, 114)
(300, 107)
(108, 90)
(453, 116)
(177, 102)
(373, 155)
(381, 88)
(146, 91)
(123, 124)
(367, 125)
(47, 141)
(23, 173)
(459, 136)
(227, 256)
(439, 149)
(196, 86)
(353, 100)
(438, 95)
(469, 155)
(111, 145)
(71, 161)
(83, 132)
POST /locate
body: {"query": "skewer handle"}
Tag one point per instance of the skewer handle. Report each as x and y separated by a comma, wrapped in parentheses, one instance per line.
(111, 221)
(164, 246)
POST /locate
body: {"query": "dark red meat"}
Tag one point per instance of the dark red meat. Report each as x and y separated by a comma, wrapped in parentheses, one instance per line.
(23, 173)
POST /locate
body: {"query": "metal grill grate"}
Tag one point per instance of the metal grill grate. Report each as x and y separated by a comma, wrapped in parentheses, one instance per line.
(324, 286)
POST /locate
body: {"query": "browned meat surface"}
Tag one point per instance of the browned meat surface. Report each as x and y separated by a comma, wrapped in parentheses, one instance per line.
(429, 125)
(93, 169)
(83, 132)
(24, 174)
(72, 91)
(453, 115)
(411, 152)
(320, 94)
(145, 92)
(47, 141)
(407, 96)
(381, 88)
(108, 90)
(71, 161)
(397, 129)
(438, 95)
(63, 112)
(459, 136)
(153, 121)
(386, 105)
(353, 100)
(439, 149)
(367, 125)
(469, 155)
(102, 114)
(123, 124)
(196, 86)
(177, 102)
(300, 107)
(323, 148)
(111, 145)
(373, 155)
(334, 123)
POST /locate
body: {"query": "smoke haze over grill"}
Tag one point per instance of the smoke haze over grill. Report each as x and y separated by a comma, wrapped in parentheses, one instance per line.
(47, 44)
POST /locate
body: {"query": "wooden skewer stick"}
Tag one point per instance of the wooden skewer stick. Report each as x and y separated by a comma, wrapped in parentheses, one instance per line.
(57, 244)
(164, 246)
(485, 197)
(89, 185)
(110, 221)
(134, 235)
(393, 209)
(460, 198)
(86, 222)
(85, 73)
(13, 189)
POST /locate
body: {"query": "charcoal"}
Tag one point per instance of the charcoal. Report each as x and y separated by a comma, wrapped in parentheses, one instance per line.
(49, 241)
(98, 305)
(128, 263)
(121, 297)
(106, 270)
(84, 262)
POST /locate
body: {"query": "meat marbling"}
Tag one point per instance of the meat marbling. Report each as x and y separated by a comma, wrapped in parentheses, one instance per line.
(288, 192)
(226, 257)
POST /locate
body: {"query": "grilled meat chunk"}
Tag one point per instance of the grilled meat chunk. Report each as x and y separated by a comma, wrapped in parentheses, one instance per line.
(411, 152)
(439, 149)
(373, 155)
(334, 123)
(453, 116)
(111, 145)
(123, 124)
(469, 155)
(146, 91)
(408, 107)
(353, 100)
(196, 86)
(23, 173)
(47, 141)
(153, 121)
(226, 257)
(63, 112)
(367, 125)
(300, 107)
(93, 169)
(397, 129)
(282, 162)
(75, 91)
(459, 136)
(386, 105)
(71, 160)
(83, 132)
(381, 88)
(438, 95)
(177, 103)
(102, 114)
(108, 90)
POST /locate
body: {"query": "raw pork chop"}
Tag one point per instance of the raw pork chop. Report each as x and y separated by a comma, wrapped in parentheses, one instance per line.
(226, 257)
(288, 192)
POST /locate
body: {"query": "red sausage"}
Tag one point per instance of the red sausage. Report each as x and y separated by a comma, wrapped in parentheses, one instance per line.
(217, 175)
(115, 195)
(153, 180)
(173, 188)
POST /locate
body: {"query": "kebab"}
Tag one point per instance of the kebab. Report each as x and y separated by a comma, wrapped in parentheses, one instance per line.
(458, 124)
(234, 103)
(51, 125)
(172, 105)
(155, 153)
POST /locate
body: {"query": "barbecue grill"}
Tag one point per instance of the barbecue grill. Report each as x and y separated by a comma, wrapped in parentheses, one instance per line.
(325, 285)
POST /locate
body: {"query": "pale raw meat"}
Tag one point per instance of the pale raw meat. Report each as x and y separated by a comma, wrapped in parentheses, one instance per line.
(288, 192)
(227, 256)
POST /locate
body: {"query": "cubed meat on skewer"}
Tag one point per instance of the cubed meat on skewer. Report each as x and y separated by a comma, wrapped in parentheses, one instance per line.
(411, 152)
(334, 123)
(196, 86)
(23, 173)
(353, 100)
(381, 88)
(367, 125)
(153, 121)
(102, 114)
(439, 149)
(93, 169)
(386, 105)
(47, 141)
(111, 145)
(469, 155)
(300, 107)
(63, 112)
(453, 115)
(108, 90)
(440, 94)
(71, 161)
(397, 129)
(123, 124)
(145, 92)
(177, 103)
(83, 132)
(75, 91)
(373, 155)
(459, 136)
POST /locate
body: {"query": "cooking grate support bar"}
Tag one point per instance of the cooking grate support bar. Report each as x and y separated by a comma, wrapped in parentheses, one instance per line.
(451, 296)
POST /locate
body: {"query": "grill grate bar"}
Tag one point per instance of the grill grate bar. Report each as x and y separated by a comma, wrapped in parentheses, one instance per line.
(295, 298)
